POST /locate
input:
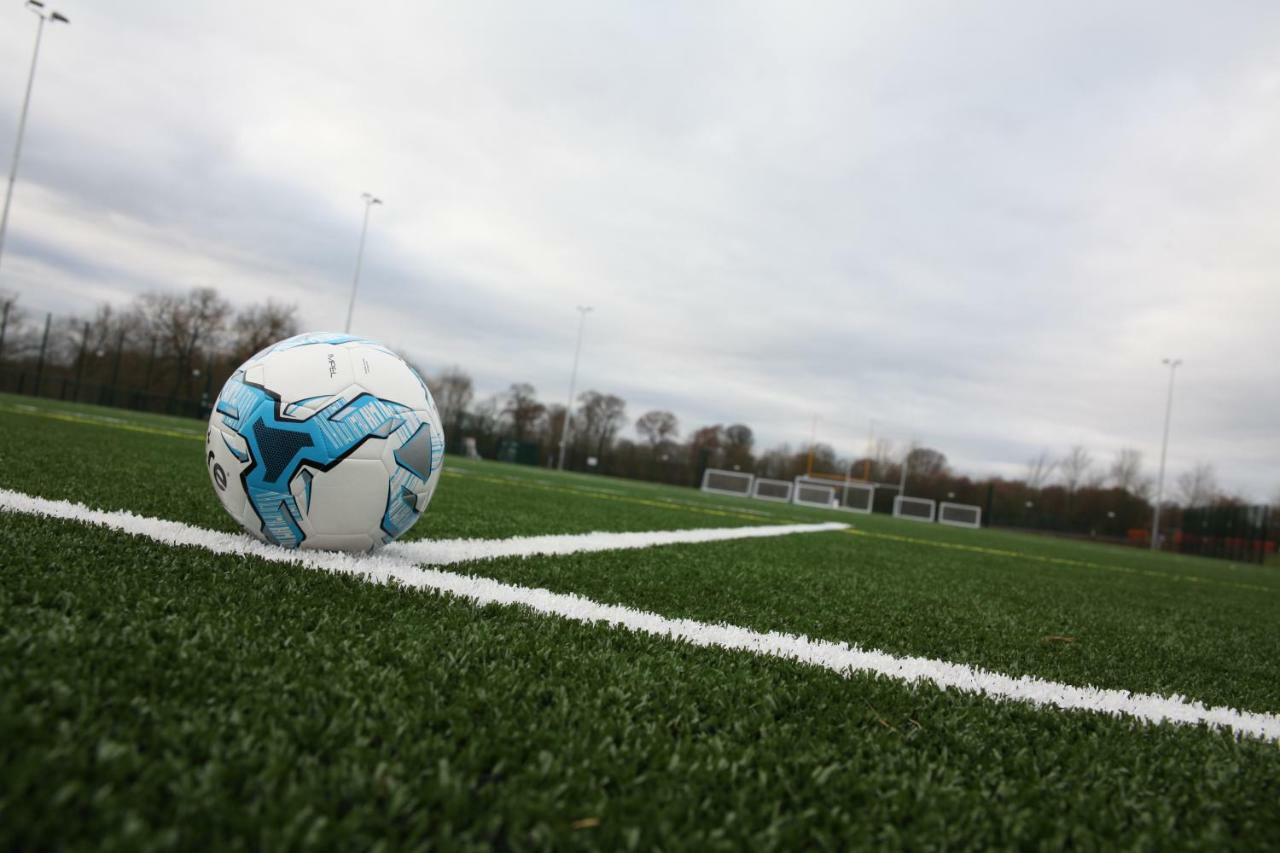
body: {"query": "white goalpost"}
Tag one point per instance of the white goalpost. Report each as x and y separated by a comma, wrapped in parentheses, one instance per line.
(813, 493)
(717, 481)
(916, 509)
(959, 515)
(772, 490)
(858, 497)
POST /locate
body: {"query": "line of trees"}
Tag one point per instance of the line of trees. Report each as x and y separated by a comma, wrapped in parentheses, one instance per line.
(164, 351)
(1074, 492)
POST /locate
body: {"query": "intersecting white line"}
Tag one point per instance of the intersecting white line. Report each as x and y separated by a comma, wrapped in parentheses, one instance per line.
(841, 658)
(446, 552)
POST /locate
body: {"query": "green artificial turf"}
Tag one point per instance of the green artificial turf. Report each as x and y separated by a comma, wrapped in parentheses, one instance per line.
(158, 697)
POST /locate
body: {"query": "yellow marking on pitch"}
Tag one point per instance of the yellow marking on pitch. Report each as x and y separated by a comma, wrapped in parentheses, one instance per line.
(72, 418)
(1060, 561)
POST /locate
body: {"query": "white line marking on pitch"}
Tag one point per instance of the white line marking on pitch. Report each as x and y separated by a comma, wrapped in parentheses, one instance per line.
(840, 658)
(445, 552)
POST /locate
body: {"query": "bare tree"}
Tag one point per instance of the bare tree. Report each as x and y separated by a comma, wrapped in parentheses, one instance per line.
(1126, 472)
(259, 326)
(1075, 468)
(657, 427)
(1199, 486)
(12, 320)
(183, 323)
(927, 462)
(1275, 500)
(551, 425)
(1040, 470)
(453, 391)
(486, 415)
(778, 463)
(523, 409)
(737, 444)
(600, 416)
(883, 457)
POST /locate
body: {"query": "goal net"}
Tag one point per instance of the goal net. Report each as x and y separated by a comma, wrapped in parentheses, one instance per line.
(772, 490)
(918, 509)
(857, 497)
(959, 515)
(720, 482)
(810, 493)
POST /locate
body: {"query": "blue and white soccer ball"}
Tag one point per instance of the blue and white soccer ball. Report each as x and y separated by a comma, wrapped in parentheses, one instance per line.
(325, 441)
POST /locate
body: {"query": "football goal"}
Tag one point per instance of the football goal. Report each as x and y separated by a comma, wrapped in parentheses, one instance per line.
(772, 490)
(809, 493)
(918, 509)
(720, 482)
(857, 497)
(959, 515)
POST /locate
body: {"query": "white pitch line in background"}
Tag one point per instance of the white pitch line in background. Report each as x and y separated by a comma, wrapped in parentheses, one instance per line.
(840, 658)
(445, 552)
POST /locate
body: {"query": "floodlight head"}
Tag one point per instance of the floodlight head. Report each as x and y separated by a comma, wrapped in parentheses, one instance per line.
(35, 4)
(58, 16)
(369, 198)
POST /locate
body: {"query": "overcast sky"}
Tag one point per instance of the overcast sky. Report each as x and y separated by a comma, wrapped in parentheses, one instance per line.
(980, 224)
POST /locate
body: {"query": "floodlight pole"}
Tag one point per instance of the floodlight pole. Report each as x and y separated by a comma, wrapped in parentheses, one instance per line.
(583, 311)
(37, 8)
(369, 202)
(813, 443)
(1172, 364)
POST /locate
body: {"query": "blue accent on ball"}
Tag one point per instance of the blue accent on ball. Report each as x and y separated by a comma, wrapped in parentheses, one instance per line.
(280, 447)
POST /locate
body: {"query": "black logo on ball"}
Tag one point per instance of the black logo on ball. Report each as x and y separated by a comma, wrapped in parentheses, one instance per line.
(219, 477)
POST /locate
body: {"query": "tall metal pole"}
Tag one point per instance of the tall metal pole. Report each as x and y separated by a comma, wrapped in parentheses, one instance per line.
(583, 311)
(1164, 449)
(906, 463)
(369, 202)
(37, 8)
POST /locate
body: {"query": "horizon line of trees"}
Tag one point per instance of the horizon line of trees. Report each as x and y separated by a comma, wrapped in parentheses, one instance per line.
(168, 346)
(160, 350)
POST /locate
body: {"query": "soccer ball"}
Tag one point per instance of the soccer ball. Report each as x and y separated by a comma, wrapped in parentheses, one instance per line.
(325, 441)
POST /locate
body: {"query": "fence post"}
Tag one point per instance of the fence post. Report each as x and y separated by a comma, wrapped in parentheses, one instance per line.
(151, 363)
(84, 345)
(207, 399)
(44, 344)
(115, 371)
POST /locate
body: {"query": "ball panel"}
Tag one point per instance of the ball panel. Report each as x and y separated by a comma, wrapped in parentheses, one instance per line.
(351, 498)
(386, 376)
(226, 457)
(310, 373)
